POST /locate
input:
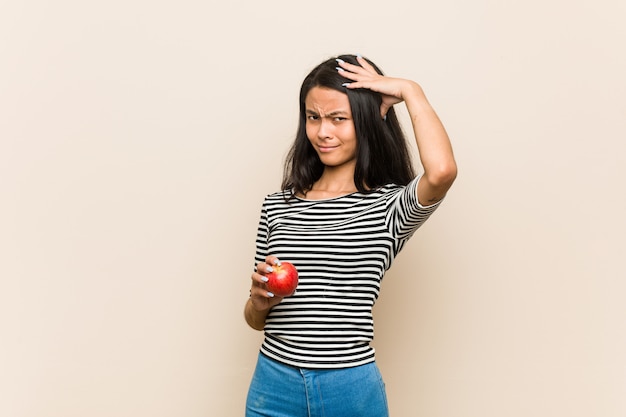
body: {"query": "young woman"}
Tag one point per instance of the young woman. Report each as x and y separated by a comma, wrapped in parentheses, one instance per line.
(349, 202)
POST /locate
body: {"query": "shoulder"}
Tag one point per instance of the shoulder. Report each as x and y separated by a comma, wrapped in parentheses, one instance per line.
(387, 191)
(283, 195)
(280, 199)
(389, 188)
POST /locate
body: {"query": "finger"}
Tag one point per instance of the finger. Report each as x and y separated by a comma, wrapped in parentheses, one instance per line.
(357, 75)
(272, 260)
(369, 67)
(262, 302)
(258, 288)
(384, 109)
(258, 292)
(265, 268)
(259, 279)
(355, 84)
(355, 72)
(359, 80)
(363, 66)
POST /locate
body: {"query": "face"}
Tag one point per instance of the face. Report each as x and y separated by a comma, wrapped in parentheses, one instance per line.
(330, 128)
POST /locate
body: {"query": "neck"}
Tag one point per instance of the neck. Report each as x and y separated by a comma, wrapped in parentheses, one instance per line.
(336, 179)
(333, 183)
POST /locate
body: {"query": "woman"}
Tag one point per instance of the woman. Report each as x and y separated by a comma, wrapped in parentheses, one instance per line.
(349, 202)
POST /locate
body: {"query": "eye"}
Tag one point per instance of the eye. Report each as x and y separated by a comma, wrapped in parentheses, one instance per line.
(312, 117)
(340, 119)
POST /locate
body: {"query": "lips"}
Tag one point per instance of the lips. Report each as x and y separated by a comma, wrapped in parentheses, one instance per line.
(327, 148)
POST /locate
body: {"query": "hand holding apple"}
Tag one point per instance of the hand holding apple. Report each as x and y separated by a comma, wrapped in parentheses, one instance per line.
(283, 280)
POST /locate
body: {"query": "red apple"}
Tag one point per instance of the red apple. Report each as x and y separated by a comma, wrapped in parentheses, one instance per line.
(283, 280)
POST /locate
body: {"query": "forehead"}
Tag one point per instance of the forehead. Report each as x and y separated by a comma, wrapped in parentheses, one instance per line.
(323, 100)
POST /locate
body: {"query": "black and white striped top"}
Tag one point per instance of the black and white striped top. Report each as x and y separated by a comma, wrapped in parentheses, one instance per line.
(341, 248)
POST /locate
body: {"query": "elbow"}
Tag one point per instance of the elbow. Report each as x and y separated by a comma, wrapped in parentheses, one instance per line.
(256, 326)
(443, 176)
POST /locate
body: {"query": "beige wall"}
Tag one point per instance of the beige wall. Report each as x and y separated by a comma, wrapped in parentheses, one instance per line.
(138, 138)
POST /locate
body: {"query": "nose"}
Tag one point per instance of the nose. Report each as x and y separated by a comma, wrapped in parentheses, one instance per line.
(325, 129)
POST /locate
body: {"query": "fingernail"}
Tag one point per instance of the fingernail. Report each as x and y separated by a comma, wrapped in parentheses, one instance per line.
(269, 269)
(270, 295)
(385, 118)
(277, 262)
(339, 69)
(358, 56)
(345, 84)
(265, 279)
(341, 61)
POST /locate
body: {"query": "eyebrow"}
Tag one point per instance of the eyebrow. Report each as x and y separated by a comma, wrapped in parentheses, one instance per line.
(331, 114)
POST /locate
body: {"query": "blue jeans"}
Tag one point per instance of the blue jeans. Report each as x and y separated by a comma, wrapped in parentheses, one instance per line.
(279, 390)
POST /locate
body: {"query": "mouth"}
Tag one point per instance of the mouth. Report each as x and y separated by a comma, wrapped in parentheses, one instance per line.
(326, 148)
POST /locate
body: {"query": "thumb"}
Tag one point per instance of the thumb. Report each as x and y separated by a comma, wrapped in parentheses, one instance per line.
(384, 108)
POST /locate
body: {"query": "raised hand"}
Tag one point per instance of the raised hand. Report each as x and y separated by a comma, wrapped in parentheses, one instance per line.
(392, 90)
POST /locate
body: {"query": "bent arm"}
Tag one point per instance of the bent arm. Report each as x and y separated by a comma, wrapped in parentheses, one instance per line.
(435, 149)
(432, 140)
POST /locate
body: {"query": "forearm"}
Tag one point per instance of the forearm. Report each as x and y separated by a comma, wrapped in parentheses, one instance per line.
(254, 317)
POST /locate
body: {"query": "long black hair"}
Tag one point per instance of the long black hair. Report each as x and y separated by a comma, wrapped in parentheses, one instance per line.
(382, 153)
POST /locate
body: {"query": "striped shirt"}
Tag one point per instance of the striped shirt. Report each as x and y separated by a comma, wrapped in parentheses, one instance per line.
(341, 247)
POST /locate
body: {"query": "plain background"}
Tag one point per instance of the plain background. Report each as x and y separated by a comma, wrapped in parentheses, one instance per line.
(138, 139)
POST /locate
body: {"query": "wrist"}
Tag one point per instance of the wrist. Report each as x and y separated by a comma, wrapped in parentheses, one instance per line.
(414, 95)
